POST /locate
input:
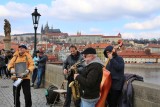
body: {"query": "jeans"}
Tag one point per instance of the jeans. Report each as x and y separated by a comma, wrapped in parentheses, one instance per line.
(40, 73)
(27, 93)
(89, 102)
(34, 75)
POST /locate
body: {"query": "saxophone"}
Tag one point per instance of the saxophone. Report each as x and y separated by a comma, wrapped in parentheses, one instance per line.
(75, 86)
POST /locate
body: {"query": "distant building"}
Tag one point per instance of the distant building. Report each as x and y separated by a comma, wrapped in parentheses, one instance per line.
(155, 48)
(47, 29)
(29, 37)
(111, 39)
(52, 34)
(137, 56)
(83, 38)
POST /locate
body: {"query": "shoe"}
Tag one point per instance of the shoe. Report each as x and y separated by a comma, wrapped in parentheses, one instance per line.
(32, 85)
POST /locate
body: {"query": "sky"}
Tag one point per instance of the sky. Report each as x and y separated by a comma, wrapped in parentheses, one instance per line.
(134, 19)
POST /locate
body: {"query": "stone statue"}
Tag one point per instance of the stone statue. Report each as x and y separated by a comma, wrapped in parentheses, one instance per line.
(7, 27)
(7, 32)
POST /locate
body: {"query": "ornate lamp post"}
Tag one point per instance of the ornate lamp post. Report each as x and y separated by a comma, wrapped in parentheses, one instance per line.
(35, 18)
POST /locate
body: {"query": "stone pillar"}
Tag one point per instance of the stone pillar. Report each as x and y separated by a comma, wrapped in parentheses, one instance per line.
(7, 43)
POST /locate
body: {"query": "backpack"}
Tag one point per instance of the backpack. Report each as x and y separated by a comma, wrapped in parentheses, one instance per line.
(51, 95)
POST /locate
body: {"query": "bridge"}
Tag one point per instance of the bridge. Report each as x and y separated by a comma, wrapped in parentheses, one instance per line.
(145, 94)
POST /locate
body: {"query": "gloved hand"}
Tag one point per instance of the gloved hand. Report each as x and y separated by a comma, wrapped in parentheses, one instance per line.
(13, 71)
(23, 75)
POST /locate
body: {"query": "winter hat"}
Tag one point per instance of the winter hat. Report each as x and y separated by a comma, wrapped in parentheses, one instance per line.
(109, 49)
(89, 51)
(22, 46)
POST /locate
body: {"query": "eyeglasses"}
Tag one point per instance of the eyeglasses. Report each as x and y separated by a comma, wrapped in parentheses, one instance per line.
(85, 55)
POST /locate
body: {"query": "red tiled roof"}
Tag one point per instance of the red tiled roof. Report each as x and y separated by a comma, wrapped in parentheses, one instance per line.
(153, 46)
(85, 35)
(56, 34)
(111, 37)
(137, 54)
(98, 45)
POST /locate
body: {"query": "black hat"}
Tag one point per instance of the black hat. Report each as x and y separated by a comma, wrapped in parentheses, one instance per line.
(89, 51)
(109, 49)
(22, 46)
(37, 51)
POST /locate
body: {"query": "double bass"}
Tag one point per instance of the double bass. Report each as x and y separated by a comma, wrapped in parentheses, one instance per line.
(106, 81)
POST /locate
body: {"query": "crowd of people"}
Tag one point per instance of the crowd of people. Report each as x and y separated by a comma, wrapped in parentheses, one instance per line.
(5, 57)
(89, 74)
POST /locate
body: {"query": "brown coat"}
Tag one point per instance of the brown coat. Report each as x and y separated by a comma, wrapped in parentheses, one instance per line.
(26, 57)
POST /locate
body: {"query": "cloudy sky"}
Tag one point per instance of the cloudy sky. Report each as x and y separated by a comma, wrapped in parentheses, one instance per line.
(132, 18)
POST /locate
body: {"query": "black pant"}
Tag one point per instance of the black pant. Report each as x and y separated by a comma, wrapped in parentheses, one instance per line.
(27, 93)
(3, 70)
(68, 98)
(113, 98)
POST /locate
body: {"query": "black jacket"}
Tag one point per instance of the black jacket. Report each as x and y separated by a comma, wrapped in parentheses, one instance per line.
(71, 60)
(126, 99)
(116, 67)
(90, 80)
(42, 61)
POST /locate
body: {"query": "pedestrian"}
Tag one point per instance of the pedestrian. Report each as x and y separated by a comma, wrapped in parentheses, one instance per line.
(41, 68)
(116, 68)
(74, 57)
(34, 75)
(3, 67)
(90, 79)
(8, 57)
(23, 60)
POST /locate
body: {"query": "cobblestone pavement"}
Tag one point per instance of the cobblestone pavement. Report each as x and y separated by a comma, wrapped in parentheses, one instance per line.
(38, 96)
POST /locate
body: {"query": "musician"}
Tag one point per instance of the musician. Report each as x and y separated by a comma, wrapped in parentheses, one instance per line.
(22, 57)
(90, 79)
(116, 68)
(71, 60)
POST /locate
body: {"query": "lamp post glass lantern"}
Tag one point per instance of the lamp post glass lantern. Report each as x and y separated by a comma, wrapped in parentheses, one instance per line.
(35, 18)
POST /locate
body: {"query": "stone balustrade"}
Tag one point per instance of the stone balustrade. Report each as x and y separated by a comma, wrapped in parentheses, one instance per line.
(145, 94)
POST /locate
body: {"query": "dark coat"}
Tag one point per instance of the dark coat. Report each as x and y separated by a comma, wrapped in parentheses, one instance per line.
(116, 67)
(71, 60)
(42, 61)
(126, 99)
(90, 80)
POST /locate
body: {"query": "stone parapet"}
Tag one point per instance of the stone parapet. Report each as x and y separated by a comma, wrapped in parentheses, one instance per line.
(145, 94)
(54, 75)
